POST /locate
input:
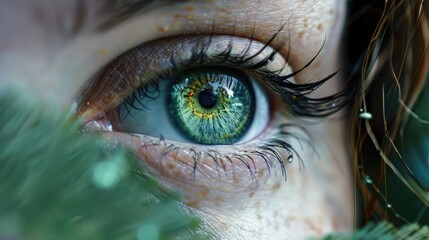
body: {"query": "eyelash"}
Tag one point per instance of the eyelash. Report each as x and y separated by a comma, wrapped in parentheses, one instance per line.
(269, 148)
(293, 95)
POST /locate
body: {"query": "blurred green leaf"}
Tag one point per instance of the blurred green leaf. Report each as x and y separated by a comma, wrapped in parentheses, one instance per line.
(383, 231)
(57, 183)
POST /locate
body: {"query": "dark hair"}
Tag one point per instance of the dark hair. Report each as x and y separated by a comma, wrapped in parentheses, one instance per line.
(388, 42)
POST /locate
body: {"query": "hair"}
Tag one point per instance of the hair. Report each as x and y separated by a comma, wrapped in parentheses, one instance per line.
(392, 59)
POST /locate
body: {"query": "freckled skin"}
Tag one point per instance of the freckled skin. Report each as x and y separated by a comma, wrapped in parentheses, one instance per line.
(314, 200)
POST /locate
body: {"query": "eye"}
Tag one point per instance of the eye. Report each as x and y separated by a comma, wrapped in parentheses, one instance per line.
(213, 111)
(208, 105)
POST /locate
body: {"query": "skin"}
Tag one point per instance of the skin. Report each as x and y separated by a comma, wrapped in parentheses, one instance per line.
(47, 65)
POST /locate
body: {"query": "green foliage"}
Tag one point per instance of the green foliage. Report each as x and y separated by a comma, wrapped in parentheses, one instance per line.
(384, 231)
(413, 145)
(57, 183)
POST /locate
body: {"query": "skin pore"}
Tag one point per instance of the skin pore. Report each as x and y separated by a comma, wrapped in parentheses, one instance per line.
(48, 63)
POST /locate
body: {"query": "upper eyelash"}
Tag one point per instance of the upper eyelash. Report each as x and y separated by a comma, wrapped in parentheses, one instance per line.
(294, 95)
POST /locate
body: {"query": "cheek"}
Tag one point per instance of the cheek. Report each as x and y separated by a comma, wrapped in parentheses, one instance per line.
(317, 197)
(296, 209)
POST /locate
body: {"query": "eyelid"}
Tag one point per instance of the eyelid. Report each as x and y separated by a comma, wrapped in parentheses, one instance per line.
(235, 169)
(150, 61)
(243, 165)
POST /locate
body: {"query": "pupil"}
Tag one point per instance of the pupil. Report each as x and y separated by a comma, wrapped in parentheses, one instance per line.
(207, 98)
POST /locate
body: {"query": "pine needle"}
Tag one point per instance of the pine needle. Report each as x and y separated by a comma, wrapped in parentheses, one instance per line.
(58, 183)
(384, 231)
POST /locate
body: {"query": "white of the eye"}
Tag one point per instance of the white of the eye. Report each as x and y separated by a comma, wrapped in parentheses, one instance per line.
(262, 113)
(155, 119)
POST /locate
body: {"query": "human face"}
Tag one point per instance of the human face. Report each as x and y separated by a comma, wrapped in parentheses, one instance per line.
(50, 55)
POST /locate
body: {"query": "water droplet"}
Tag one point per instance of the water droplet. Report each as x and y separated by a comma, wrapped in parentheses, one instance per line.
(365, 115)
(389, 205)
(368, 180)
(290, 159)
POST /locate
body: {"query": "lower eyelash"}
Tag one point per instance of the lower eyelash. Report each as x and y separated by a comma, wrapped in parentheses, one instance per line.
(277, 149)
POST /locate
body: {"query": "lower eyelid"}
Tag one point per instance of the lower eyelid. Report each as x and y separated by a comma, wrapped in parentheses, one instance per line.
(230, 169)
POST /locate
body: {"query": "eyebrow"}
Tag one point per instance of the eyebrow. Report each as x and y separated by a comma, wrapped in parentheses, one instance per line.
(114, 12)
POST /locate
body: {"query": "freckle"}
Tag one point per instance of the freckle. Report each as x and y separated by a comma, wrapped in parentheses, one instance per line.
(257, 204)
(190, 8)
(203, 193)
(313, 227)
(189, 17)
(301, 34)
(317, 64)
(177, 172)
(237, 179)
(306, 22)
(170, 165)
(226, 19)
(224, 226)
(177, 15)
(251, 194)
(319, 27)
(164, 28)
(175, 25)
(276, 186)
(258, 216)
(218, 200)
(194, 204)
(225, 10)
(103, 52)
(261, 173)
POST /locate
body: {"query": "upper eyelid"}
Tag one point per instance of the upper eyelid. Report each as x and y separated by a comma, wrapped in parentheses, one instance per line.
(98, 86)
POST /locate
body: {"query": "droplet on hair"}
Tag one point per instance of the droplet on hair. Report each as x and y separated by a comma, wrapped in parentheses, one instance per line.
(365, 115)
(290, 159)
(368, 180)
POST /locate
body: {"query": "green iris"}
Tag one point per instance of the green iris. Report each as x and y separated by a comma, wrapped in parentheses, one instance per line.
(212, 106)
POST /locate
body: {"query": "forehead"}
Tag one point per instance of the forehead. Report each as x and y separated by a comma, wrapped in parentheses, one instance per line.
(305, 24)
(71, 15)
(57, 31)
